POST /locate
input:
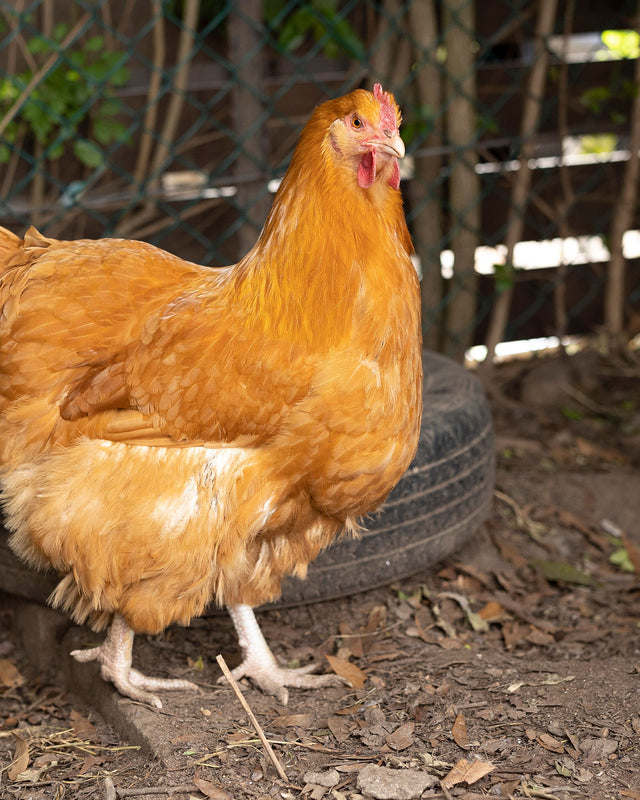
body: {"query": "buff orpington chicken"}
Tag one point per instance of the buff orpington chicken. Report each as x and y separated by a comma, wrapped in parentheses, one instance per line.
(173, 435)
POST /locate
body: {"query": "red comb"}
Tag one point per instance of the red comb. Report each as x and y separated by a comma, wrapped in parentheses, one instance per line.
(387, 107)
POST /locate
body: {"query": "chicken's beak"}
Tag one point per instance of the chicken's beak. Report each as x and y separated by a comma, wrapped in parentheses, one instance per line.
(391, 144)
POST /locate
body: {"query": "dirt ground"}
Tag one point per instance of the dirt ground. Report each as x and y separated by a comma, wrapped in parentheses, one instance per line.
(511, 670)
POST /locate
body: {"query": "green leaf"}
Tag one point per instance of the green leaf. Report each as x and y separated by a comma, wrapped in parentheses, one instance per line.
(55, 151)
(9, 90)
(39, 118)
(620, 558)
(110, 107)
(107, 130)
(93, 45)
(320, 20)
(598, 143)
(88, 152)
(119, 77)
(559, 571)
(571, 413)
(595, 97)
(623, 44)
(39, 45)
(60, 31)
(504, 276)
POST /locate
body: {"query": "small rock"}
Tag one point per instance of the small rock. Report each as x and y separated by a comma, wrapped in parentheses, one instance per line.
(327, 779)
(383, 783)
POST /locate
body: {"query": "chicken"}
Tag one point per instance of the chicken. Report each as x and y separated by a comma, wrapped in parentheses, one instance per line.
(173, 435)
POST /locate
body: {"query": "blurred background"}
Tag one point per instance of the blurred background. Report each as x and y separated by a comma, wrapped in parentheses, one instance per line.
(173, 121)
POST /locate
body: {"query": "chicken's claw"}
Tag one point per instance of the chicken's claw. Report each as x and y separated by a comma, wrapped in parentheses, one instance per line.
(259, 663)
(274, 679)
(114, 657)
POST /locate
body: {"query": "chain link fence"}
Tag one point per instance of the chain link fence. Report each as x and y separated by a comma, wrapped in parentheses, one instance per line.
(172, 121)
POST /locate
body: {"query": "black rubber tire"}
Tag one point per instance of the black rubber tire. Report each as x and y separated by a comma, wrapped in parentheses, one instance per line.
(442, 499)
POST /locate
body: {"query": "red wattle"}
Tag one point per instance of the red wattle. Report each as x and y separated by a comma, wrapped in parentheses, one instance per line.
(394, 180)
(367, 169)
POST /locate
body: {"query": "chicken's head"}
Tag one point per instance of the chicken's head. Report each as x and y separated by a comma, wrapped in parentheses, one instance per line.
(367, 135)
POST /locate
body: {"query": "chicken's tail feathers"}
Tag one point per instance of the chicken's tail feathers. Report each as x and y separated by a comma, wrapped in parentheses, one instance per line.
(9, 244)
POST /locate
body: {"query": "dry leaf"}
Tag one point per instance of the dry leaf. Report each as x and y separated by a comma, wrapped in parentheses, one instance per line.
(82, 728)
(424, 620)
(402, 737)
(89, 763)
(20, 758)
(550, 743)
(478, 624)
(590, 449)
(459, 732)
(351, 641)
(467, 772)
(492, 612)
(211, 790)
(512, 633)
(340, 729)
(9, 674)
(597, 749)
(538, 637)
(350, 672)
(633, 552)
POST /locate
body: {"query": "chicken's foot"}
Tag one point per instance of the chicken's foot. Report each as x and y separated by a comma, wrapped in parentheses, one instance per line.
(259, 663)
(114, 656)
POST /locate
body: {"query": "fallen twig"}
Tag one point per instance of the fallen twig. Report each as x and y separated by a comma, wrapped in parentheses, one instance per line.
(142, 791)
(265, 742)
(524, 521)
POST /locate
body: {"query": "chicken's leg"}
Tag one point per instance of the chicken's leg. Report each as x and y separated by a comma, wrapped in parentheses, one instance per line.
(114, 655)
(260, 664)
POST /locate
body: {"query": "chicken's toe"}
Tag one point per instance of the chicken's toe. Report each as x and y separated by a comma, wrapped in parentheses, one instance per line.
(114, 657)
(260, 665)
(274, 680)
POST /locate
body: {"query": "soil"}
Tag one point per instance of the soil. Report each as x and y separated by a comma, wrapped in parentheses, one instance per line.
(511, 670)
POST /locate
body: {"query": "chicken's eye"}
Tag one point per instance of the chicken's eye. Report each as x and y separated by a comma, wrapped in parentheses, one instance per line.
(357, 122)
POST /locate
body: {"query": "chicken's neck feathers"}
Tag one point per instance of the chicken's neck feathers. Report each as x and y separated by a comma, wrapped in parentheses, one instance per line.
(330, 251)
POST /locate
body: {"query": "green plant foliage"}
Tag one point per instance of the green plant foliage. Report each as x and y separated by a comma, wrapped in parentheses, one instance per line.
(505, 275)
(596, 97)
(561, 572)
(421, 124)
(598, 143)
(74, 102)
(571, 413)
(319, 19)
(620, 558)
(623, 44)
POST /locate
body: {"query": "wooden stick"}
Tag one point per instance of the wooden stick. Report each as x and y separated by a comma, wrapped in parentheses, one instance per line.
(265, 742)
(187, 788)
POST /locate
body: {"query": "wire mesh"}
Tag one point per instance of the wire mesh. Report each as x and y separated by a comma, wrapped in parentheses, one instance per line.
(172, 121)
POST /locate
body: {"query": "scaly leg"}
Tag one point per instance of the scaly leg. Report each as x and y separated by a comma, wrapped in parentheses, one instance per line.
(260, 664)
(114, 655)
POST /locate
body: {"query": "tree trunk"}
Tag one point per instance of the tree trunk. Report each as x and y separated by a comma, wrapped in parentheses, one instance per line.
(389, 61)
(534, 95)
(458, 20)
(424, 189)
(162, 155)
(615, 295)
